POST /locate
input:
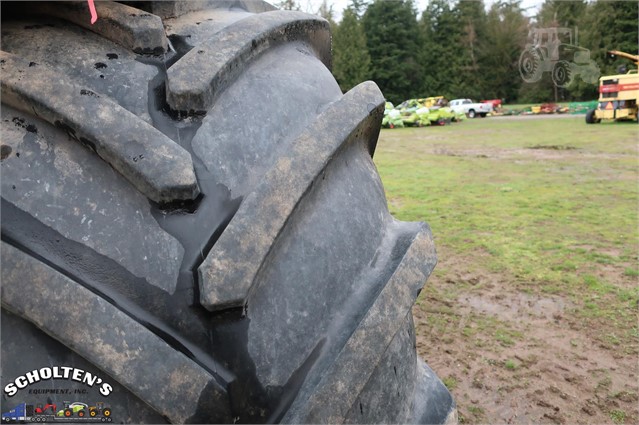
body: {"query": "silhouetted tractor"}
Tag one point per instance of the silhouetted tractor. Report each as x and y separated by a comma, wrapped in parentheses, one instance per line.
(552, 50)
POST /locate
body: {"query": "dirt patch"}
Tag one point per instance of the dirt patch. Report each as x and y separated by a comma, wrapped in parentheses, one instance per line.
(519, 357)
(531, 153)
(554, 147)
(513, 306)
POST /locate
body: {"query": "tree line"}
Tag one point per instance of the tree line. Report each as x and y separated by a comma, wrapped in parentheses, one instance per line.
(462, 49)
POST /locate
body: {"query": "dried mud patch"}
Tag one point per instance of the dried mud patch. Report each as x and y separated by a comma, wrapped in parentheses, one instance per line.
(558, 152)
(520, 357)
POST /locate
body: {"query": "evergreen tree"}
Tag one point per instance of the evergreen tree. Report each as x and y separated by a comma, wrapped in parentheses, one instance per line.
(469, 81)
(392, 38)
(561, 13)
(500, 49)
(326, 12)
(450, 55)
(359, 6)
(287, 5)
(351, 60)
(439, 57)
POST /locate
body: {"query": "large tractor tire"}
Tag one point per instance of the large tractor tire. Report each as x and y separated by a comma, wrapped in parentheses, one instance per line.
(591, 117)
(190, 209)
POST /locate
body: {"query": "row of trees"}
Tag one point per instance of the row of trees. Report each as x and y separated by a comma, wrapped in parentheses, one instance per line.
(460, 49)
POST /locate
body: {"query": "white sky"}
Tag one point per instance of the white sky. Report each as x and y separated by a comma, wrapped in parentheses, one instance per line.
(311, 6)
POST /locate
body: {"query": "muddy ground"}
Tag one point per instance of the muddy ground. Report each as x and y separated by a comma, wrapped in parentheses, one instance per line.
(544, 367)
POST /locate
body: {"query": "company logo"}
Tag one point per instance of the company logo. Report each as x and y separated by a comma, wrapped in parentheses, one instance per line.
(58, 372)
(52, 412)
(552, 50)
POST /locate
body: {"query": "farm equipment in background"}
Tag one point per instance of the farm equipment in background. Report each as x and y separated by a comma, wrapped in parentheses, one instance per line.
(618, 94)
(495, 103)
(552, 50)
(549, 108)
(429, 102)
(392, 117)
(416, 113)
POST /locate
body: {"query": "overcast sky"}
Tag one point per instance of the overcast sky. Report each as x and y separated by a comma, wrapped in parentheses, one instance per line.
(311, 6)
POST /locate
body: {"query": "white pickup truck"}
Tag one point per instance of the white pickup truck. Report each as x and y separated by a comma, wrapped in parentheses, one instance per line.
(469, 108)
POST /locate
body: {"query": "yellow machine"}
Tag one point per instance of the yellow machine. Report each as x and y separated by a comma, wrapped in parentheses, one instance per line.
(618, 95)
(429, 102)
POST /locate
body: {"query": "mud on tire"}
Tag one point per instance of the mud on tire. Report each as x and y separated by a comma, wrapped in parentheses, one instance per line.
(190, 176)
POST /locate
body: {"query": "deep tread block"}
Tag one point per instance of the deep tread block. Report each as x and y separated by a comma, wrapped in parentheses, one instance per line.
(330, 399)
(153, 163)
(228, 272)
(132, 28)
(172, 9)
(122, 347)
(221, 59)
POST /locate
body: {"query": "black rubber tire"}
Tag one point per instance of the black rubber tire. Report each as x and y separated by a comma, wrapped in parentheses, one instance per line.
(276, 287)
(482, 114)
(471, 113)
(591, 118)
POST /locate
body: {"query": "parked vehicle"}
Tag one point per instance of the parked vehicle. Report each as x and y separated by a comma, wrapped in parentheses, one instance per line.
(470, 108)
(618, 95)
(496, 103)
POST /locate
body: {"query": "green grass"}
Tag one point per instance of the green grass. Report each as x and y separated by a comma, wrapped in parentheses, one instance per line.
(618, 416)
(631, 272)
(450, 382)
(510, 364)
(477, 411)
(557, 221)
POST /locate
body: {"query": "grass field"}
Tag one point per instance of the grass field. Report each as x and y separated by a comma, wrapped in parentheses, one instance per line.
(531, 314)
